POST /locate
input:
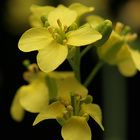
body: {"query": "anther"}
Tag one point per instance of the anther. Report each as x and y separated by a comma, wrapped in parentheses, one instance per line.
(70, 108)
(65, 28)
(131, 37)
(119, 26)
(50, 29)
(64, 41)
(59, 23)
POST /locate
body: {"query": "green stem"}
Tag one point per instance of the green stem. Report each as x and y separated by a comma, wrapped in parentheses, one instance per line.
(87, 48)
(75, 61)
(93, 73)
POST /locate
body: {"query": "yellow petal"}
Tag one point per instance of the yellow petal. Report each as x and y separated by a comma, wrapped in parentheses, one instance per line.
(16, 110)
(64, 14)
(51, 56)
(34, 39)
(94, 111)
(53, 111)
(83, 36)
(127, 67)
(37, 12)
(94, 20)
(135, 53)
(61, 74)
(76, 129)
(67, 86)
(125, 61)
(80, 8)
(110, 48)
(34, 97)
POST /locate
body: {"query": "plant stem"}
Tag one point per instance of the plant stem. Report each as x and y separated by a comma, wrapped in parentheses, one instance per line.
(93, 73)
(87, 48)
(75, 61)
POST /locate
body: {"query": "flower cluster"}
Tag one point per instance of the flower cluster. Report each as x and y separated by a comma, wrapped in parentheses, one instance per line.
(58, 34)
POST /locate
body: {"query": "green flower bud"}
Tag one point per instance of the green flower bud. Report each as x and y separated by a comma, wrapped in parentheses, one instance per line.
(105, 28)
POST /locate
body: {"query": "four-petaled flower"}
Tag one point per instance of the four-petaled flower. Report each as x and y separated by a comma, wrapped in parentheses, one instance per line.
(54, 40)
(72, 116)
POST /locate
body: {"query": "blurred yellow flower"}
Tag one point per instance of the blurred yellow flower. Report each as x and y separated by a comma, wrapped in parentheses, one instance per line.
(39, 14)
(31, 97)
(117, 51)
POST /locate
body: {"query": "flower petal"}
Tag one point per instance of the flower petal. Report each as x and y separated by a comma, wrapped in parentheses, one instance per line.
(64, 14)
(80, 8)
(83, 36)
(135, 53)
(34, 39)
(94, 20)
(17, 112)
(94, 111)
(51, 56)
(76, 129)
(125, 61)
(67, 84)
(61, 74)
(127, 67)
(34, 97)
(37, 12)
(52, 111)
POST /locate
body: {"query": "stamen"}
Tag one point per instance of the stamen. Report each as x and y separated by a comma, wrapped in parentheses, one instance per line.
(69, 108)
(65, 115)
(119, 26)
(44, 19)
(59, 24)
(130, 37)
(50, 29)
(65, 41)
(86, 116)
(33, 68)
(126, 30)
(65, 28)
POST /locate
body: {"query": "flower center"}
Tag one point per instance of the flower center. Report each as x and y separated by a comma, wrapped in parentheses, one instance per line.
(59, 34)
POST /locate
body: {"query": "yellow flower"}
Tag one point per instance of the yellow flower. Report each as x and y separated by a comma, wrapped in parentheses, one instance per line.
(73, 117)
(53, 41)
(71, 108)
(30, 97)
(40, 13)
(117, 51)
(44, 89)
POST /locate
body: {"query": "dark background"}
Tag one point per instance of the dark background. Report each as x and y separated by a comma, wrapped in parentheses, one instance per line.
(11, 78)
